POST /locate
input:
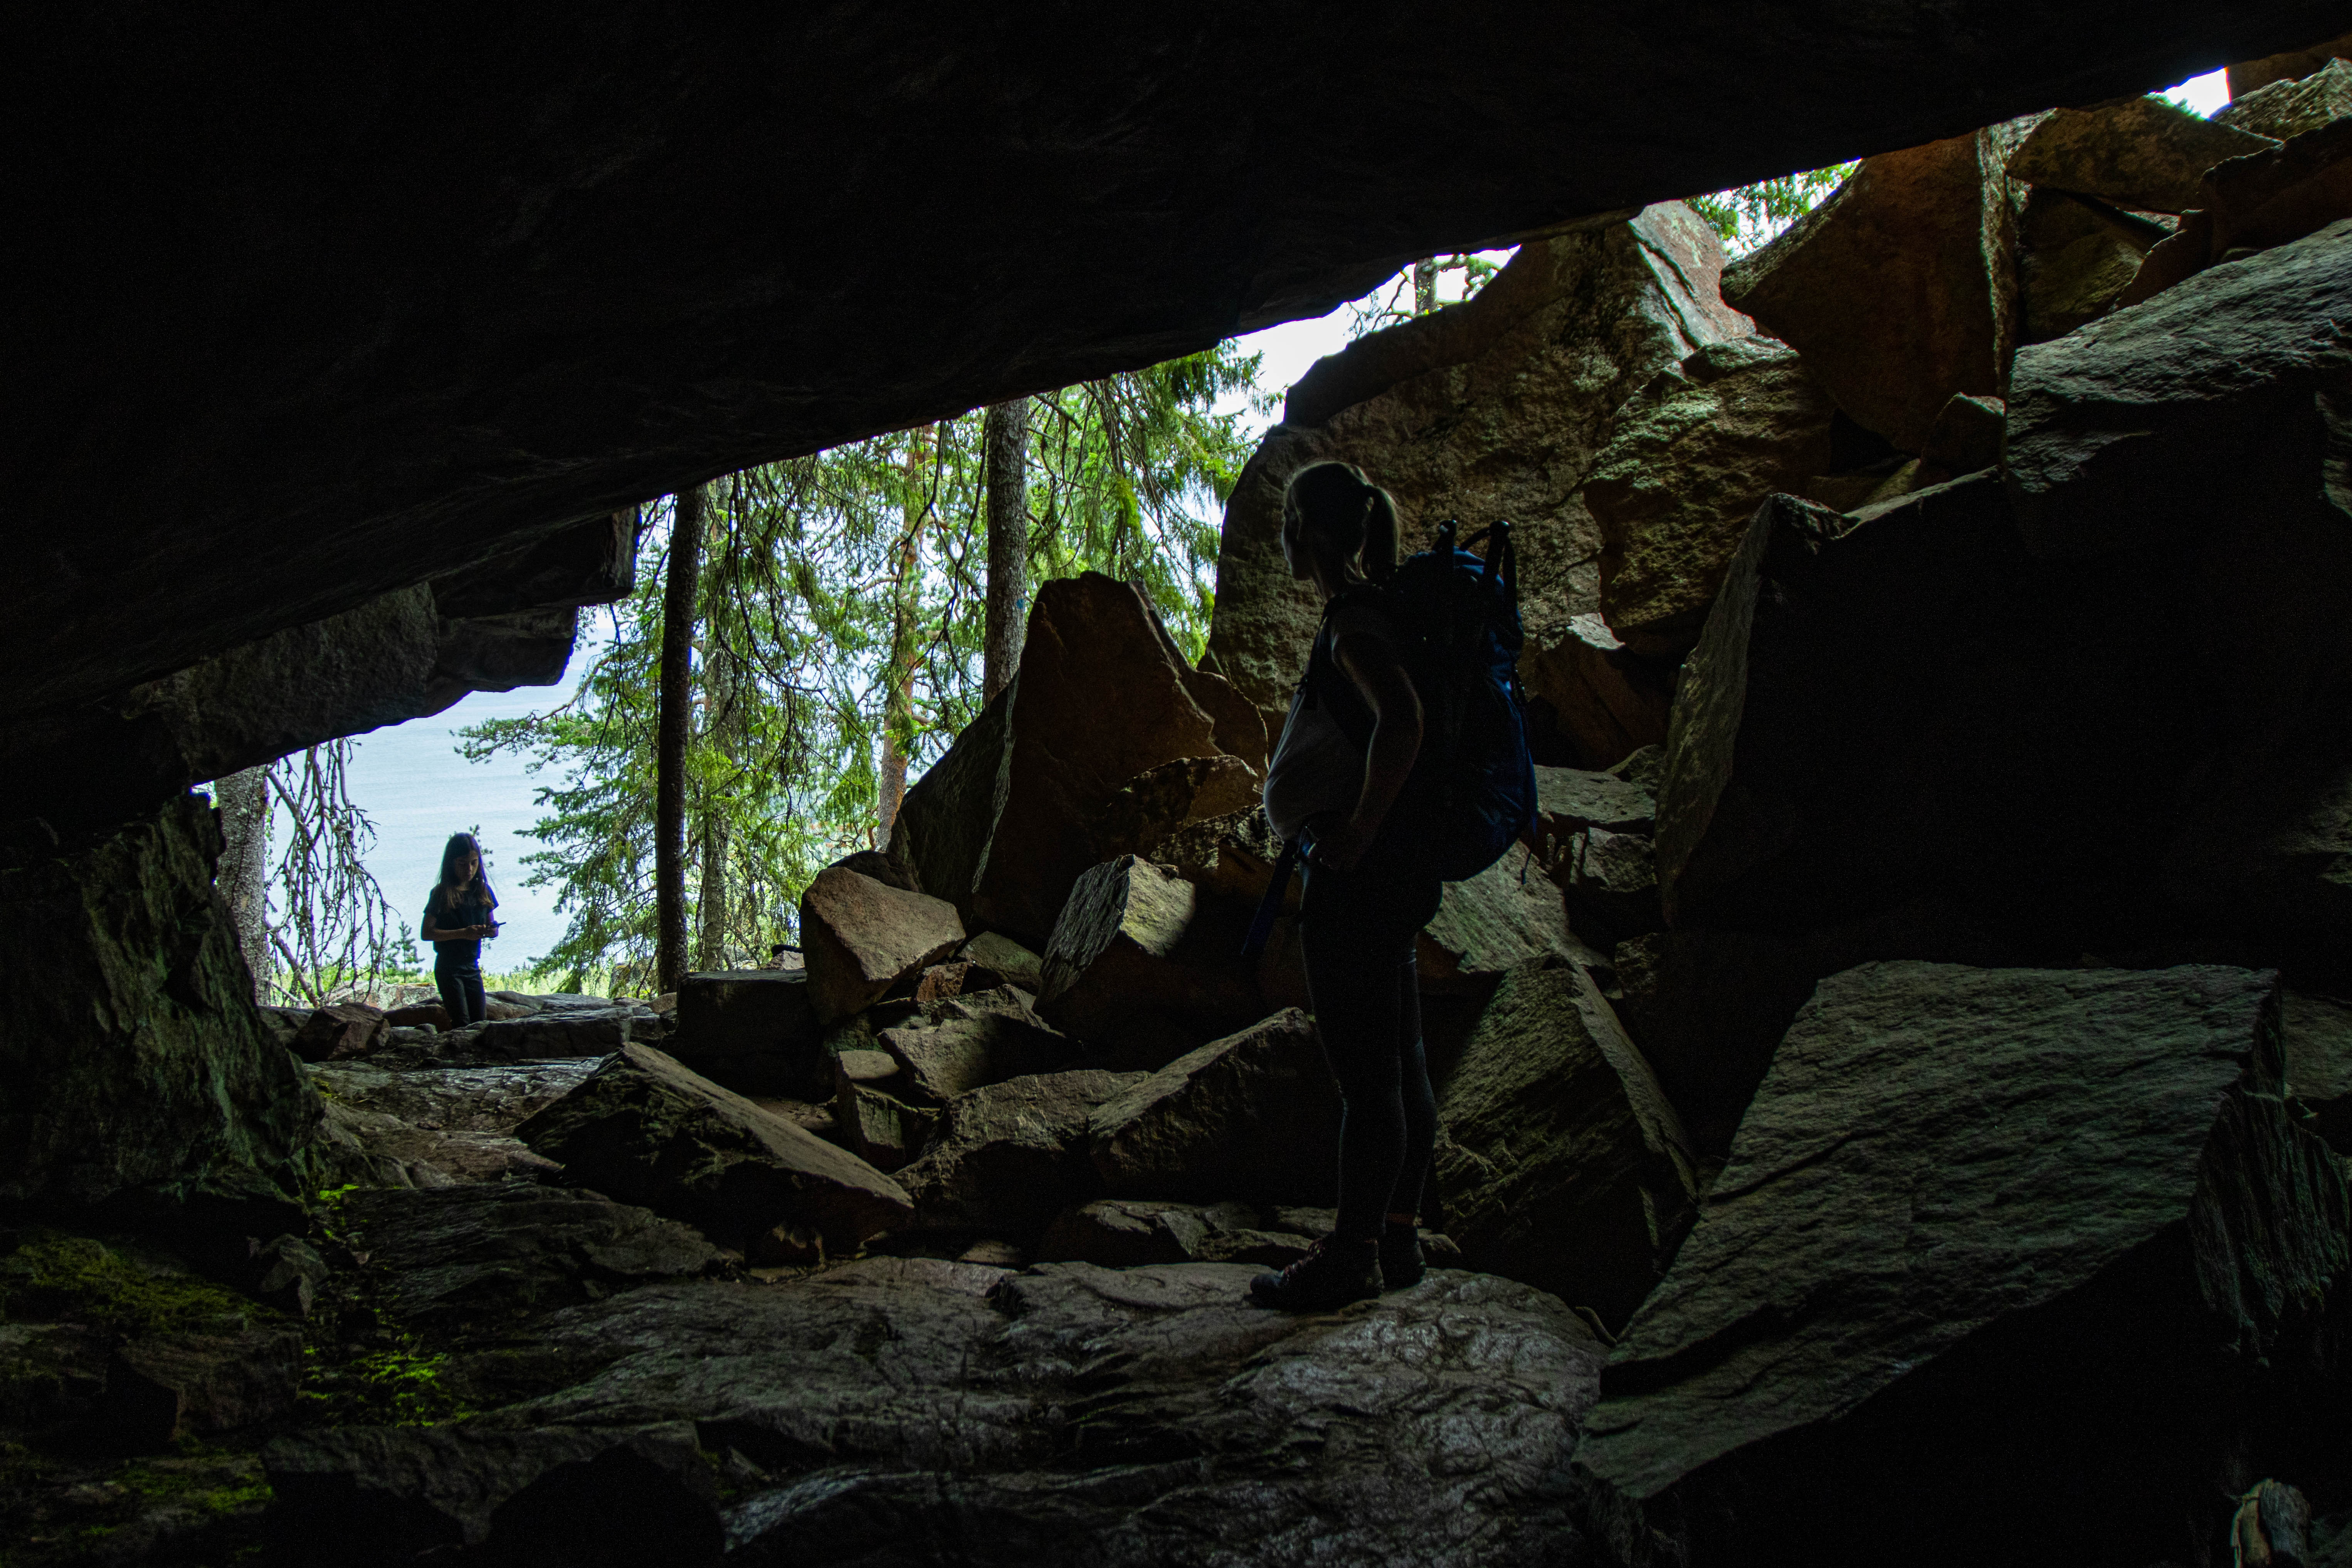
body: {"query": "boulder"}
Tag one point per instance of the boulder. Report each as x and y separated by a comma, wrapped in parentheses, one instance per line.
(2318, 1033)
(2069, 1216)
(1609, 883)
(333, 1033)
(128, 1031)
(623, 1495)
(1559, 1160)
(1232, 855)
(1708, 1008)
(1690, 458)
(1140, 960)
(435, 1127)
(1494, 408)
(1002, 955)
(2110, 431)
(427, 1014)
(864, 938)
(957, 1055)
(877, 1126)
(2281, 193)
(2250, 76)
(1966, 437)
(1899, 289)
(1106, 734)
(472, 1256)
(644, 1130)
(2146, 154)
(755, 1031)
(1491, 923)
(2076, 260)
(1012, 1155)
(942, 981)
(2286, 108)
(1569, 800)
(162, 1387)
(1253, 1116)
(287, 1272)
(1591, 699)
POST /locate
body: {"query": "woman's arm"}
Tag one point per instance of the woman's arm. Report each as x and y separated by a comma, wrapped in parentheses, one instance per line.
(434, 931)
(1387, 690)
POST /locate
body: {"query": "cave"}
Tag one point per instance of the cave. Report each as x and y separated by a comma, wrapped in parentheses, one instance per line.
(1998, 744)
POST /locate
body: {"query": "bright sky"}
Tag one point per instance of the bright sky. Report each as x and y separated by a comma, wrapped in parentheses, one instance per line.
(419, 791)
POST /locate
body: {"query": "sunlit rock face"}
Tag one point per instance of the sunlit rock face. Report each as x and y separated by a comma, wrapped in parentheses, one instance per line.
(312, 313)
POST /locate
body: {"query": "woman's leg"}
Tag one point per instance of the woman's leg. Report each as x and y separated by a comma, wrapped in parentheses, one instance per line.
(453, 994)
(1368, 1013)
(1420, 1100)
(478, 1004)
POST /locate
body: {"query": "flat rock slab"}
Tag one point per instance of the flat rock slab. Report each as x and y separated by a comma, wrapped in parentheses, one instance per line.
(1979, 1228)
(909, 1409)
(644, 1130)
(1254, 1116)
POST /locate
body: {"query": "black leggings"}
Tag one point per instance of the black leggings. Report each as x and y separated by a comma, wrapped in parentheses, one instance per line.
(1357, 931)
(460, 986)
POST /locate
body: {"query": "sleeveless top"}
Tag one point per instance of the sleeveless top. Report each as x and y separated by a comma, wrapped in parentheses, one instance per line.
(1314, 767)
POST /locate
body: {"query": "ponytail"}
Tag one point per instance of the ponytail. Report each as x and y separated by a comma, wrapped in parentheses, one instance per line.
(1332, 507)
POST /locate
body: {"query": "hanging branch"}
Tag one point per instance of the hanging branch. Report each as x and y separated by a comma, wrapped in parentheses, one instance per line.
(335, 928)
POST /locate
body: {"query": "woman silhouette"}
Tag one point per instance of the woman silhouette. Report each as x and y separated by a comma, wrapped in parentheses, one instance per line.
(459, 914)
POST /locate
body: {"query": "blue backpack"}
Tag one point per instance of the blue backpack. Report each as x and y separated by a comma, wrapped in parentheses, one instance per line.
(1473, 789)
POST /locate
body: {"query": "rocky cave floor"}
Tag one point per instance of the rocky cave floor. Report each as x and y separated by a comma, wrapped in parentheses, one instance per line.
(490, 1329)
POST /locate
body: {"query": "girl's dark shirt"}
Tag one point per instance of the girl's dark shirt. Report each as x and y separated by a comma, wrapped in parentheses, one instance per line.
(470, 909)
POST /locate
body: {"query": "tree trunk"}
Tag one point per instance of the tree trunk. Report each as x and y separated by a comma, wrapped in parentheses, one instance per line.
(676, 719)
(899, 671)
(711, 947)
(1004, 440)
(1424, 285)
(244, 875)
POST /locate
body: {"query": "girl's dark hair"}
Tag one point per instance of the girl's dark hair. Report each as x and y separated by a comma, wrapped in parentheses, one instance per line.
(1338, 509)
(453, 866)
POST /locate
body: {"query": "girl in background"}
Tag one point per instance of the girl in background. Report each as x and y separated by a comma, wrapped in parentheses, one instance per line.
(461, 912)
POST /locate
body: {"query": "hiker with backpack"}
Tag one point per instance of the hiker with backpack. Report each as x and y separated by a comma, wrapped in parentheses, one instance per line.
(1403, 765)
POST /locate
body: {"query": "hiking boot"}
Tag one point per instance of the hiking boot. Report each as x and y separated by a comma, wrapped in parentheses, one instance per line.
(1401, 1262)
(1332, 1274)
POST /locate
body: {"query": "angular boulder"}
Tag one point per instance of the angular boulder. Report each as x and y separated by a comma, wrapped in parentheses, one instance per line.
(1899, 289)
(165, 1386)
(1129, 1233)
(348, 1030)
(877, 1126)
(863, 938)
(2068, 1216)
(1493, 922)
(1608, 885)
(2249, 76)
(1559, 1160)
(1494, 408)
(1691, 458)
(2317, 1039)
(2110, 432)
(2286, 108)
(1254, 1116)
(645, 1131)
(2075, 258)
(957, 1055)
(1140, 958)
(755, 1031)
(2146, 154)
(1008, 958)
(1012, 1155)
(1569, 800)
(1077, 756)
(1590, 699)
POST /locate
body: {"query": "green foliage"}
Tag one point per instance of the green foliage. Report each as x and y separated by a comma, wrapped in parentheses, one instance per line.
(1412, 292)
(840, 613)
(1753, 216)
